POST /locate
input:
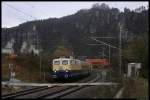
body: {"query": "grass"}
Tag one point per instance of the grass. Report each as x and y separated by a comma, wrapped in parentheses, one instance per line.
(5, 70)
(107, 91)
(135, 88)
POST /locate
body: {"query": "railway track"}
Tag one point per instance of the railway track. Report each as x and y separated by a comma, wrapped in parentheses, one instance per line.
(49, 92)
(67, 91)
(24, 92)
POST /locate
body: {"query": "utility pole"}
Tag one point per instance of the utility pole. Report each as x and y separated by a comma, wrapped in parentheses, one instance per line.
(40, 57)
(38, 47)
(103, 53)
(40, 54)
(120, 47)
(109, 54)
(40, 65)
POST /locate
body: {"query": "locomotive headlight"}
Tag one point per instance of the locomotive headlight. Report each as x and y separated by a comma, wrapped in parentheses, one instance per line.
(66, 70)
(55, 71)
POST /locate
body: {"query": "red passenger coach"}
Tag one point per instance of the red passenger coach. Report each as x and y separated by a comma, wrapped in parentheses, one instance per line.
(98, 63)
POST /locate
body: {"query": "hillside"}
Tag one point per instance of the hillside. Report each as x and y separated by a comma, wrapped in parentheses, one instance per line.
(77, 28)
(74, 32)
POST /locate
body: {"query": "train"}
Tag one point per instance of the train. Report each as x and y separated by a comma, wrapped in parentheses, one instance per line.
(69, 68)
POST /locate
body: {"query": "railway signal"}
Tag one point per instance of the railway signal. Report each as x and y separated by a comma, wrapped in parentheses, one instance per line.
(12, 74)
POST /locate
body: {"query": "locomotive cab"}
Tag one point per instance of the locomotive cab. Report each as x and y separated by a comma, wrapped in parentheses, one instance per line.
(68, 67)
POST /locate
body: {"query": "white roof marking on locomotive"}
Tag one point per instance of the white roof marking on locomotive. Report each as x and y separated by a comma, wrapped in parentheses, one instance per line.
(61, 59)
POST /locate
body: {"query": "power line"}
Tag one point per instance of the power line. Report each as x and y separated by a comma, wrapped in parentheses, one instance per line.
(19, 18)
(20, 11)
(28, 35)
(95, 44)
(104, 43)
(35, 7)
(102, 37)
(120, 46)
(94, 38)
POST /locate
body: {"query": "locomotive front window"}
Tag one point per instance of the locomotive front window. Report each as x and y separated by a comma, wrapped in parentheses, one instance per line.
(56, 62)
(65, 62)
(77, 62)
(72, 62)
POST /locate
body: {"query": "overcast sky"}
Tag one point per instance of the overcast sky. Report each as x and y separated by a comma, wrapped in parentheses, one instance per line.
(44, 10)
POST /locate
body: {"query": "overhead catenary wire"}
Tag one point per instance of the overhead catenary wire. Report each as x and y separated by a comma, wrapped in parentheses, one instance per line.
(18, 18)
(38, 9)
(31, 17)
(21, 11)
(109, 45)
(104, 43)
(103, 37)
